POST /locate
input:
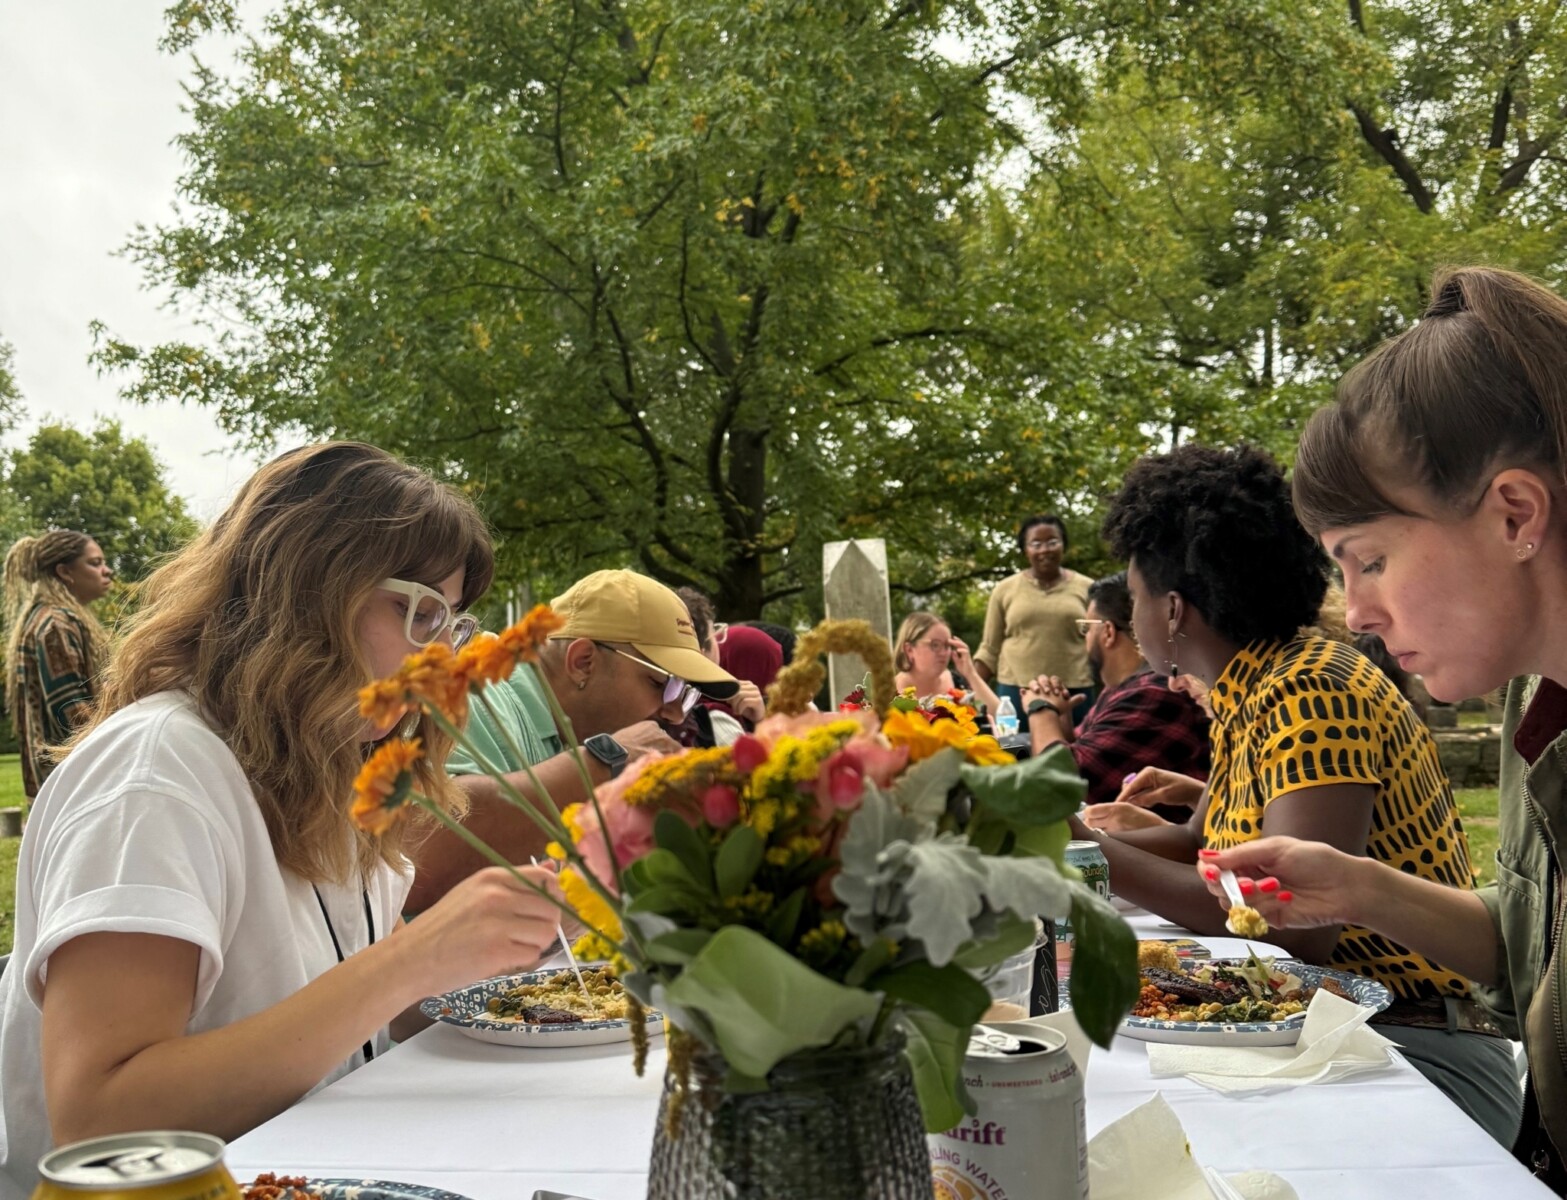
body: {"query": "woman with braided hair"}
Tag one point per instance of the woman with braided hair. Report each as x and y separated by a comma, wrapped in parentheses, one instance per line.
(55, 647)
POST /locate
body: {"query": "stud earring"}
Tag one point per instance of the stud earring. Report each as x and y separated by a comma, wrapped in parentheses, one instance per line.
(581, 683)
(1528, 549)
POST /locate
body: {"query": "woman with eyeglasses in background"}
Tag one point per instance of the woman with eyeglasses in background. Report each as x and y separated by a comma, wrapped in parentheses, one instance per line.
(55, 648)
(192, 863)
(1030, 622)
(934, 661)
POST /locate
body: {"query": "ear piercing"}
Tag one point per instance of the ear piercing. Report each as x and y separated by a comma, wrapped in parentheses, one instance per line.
(1527, 550)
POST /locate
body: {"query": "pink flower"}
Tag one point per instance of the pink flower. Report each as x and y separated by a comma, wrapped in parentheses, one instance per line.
(749, 753)
(720, 806)
(630, 829)
(841, 780)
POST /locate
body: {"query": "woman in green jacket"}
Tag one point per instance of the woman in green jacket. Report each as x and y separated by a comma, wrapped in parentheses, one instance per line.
(1438, 482)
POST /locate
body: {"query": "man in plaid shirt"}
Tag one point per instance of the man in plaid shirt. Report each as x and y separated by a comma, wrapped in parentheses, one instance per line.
(1137, 721)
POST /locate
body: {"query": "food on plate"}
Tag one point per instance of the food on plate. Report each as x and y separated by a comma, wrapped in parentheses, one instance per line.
(1158, 954)
(1222, 992)
(559, 1001)
(279, 1187)
(1246, 921)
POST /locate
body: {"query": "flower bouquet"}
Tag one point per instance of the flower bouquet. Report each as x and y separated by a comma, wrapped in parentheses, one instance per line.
(832, 889)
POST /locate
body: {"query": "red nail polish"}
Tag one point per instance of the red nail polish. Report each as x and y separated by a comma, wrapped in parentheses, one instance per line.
(1285, 897)
(1210, 873)
(1269, 884)
(1207, 854)
(1247, 887)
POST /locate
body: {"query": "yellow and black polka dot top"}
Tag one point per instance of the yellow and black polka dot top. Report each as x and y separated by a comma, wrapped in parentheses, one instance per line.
(1311, 712)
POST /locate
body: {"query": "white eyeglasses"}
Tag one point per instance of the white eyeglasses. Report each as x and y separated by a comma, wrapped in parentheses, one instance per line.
(428, 615)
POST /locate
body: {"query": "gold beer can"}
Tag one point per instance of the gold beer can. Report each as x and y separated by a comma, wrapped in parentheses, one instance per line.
(138, 1166)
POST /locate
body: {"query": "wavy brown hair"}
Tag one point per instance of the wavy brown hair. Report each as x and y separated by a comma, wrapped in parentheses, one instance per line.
(256, 619)
(29, 579)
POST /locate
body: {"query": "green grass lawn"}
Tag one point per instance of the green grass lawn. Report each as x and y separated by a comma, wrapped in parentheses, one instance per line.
(1478, 808)
(10, 797)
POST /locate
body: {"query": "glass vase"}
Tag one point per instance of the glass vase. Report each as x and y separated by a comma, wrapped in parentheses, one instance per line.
(832, 1125)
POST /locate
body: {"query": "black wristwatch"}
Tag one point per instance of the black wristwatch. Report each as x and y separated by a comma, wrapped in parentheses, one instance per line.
(608, 751)
(1037, 705)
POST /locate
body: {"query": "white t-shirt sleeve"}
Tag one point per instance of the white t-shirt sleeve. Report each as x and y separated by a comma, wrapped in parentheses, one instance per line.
(138, 861)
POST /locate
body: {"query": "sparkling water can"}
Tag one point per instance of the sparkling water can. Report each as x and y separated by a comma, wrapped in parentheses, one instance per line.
(1028, 1139)
(1089, 860)
(138, 1166)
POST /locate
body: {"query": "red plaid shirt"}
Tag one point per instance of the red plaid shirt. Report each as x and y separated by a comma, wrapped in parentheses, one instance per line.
(1139, 723)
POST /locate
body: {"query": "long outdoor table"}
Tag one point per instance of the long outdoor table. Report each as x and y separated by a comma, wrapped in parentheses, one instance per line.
(493, 1123)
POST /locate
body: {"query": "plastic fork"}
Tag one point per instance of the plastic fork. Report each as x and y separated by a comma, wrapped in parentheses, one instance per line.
(1232, 889)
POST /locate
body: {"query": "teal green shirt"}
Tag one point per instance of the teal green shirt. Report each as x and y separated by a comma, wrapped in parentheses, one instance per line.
(523, 713)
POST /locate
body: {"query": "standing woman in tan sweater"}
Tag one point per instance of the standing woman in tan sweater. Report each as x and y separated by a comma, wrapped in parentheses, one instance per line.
(55, 647)
(1031, 621)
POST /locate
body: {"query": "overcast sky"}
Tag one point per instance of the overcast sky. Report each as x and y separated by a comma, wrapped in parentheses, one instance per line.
(89, 108)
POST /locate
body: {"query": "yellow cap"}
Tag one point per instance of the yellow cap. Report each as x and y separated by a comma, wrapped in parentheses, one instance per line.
(622, 606)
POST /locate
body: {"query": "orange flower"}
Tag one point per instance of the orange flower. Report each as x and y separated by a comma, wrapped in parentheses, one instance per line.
(432, 677)
(385, 702)
(524, 638)
(484, 661)
(384, 785)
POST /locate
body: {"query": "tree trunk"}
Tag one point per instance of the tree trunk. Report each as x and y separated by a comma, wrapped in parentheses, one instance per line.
(740, 591)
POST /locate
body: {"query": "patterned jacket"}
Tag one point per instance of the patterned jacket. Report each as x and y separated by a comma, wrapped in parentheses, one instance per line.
(55, 674)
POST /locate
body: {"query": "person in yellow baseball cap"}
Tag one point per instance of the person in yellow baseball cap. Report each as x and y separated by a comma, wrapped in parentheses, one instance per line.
(625, 668)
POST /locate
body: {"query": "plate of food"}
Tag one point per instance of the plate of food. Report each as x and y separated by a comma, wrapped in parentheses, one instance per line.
(296, 1187)
(1254, 1001)
(542, 1009)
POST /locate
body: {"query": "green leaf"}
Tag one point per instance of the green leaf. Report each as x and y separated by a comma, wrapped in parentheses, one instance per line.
(945, 889)
(935, 1051)
(738, 859)
(764, 1004)
(1044, 841)
(1104, 966)
(785, 919)
(1037, 791)
(679, 946)
(950, 992)
(668, 898)
(1017, 934)
(922, 790)
(872, 959)
(673, 834)
(663, 866)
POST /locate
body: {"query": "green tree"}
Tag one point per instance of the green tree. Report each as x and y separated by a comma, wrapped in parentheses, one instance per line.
(691, 283)
(103, 484)
(701, 285)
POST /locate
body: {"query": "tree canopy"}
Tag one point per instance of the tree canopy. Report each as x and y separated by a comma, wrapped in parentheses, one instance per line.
(701, 285)
(104, 484)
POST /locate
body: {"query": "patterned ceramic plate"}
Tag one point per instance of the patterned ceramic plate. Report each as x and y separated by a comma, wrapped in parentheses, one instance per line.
(1366, 992)
(377, 1189)
(467, 1010)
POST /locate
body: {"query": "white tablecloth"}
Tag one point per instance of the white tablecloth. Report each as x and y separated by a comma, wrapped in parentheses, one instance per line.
(493, 1123)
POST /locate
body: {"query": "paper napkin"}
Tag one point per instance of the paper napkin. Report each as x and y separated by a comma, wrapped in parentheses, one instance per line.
(1146, 1154)
(1334, 1042)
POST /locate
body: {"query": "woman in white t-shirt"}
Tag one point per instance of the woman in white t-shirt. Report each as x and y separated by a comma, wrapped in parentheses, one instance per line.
(202, 936)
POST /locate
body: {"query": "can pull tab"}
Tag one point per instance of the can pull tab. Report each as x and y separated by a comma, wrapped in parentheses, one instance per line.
(994, 1040)
(129, 1166)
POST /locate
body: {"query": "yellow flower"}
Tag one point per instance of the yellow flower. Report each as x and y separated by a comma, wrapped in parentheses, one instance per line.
(593, 910)
(571, 817)
(925, 737)
(384, 785)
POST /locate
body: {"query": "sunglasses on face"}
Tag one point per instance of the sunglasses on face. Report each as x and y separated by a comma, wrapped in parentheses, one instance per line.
(676, 689)
(428, 615)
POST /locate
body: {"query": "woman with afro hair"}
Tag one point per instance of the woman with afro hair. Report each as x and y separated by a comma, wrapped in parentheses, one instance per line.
(1309, 739)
